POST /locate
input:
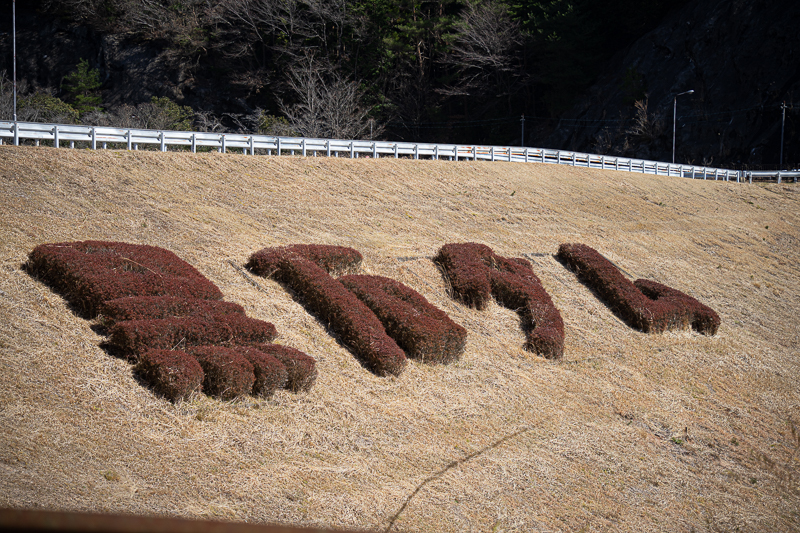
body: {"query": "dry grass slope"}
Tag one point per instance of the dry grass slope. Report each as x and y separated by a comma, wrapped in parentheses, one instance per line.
(629, 432)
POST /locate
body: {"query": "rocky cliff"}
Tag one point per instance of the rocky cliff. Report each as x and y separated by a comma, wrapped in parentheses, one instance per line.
(741, 58)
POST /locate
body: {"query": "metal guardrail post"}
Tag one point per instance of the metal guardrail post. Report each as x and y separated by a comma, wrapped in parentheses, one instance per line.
(278, 151)
(55, 137)
(328, 147)
(94, 139)
(352, 150)
(129, 139)
(491, 152)
(252, 146)
(224, 143)
(163, 140)
(436, 152)
(779, 177)
(416, 151)
(751, 178)
(194, 143)
(395, 151)
(474, 153)
(16, 133)
(374, 150)
(303, 146)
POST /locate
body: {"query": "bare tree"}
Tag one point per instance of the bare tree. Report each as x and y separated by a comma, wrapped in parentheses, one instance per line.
(326, 104)
(246, 24)
(207, 121)
(486, 48)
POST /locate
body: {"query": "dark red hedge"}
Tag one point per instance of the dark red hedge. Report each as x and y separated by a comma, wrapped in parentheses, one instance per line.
(301, 368)
(417, 326)
(357, 327)
(333, 259)
(476, 274)
(90, 272)
(171, 373)
(701, 317)
(152, 307)
(132, 337)
(654, 310)
(270, 372)
(228, 373)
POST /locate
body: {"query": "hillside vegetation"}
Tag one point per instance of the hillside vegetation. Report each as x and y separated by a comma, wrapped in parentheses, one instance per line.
(628, 432)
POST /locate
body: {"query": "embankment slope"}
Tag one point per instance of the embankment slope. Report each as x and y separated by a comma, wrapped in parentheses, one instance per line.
(629, 431)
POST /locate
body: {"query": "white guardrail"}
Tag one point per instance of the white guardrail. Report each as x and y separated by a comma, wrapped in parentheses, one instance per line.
(95, 136)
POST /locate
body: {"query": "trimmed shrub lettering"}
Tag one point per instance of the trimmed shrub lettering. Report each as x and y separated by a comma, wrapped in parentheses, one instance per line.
(152, 307)
(153, 303)
(645, 305)
(418, 327)
(228, 373)
(89, 273)
(335, 260)
(476, 273)
(171, 373)
(357, 327)
(134, 336)
(270, 372)
(700, 317)
(301, 369)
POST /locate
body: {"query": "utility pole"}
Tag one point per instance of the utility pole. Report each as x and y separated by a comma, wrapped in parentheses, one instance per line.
(783, 123)
(522, 139)
(14, 38)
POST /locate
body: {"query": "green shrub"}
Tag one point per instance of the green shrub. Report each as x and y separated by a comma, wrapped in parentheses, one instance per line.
(82, 86)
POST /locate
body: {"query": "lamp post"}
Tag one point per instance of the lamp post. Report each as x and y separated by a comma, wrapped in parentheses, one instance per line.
(14, 38)
(674, 119)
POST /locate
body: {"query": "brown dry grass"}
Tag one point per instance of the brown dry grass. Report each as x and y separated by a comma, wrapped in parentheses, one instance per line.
(672, 432)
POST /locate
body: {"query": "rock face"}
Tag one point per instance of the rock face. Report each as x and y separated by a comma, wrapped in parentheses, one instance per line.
(742, 59)
(132, 70)
(48, 49)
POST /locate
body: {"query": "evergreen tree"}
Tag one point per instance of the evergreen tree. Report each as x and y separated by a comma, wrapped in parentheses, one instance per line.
(82, 86)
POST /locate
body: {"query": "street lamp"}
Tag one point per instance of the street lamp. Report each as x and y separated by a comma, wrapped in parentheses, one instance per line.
(14, 38)
(674, 119)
